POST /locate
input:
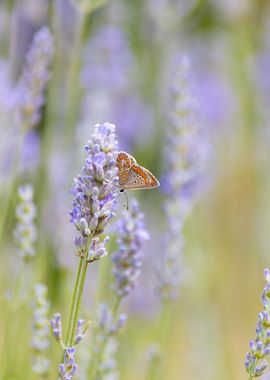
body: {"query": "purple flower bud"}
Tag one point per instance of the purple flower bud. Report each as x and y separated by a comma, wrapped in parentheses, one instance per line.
(56, 326)
(267, 275)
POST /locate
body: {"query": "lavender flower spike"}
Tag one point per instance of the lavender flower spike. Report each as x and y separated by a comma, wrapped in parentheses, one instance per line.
(68, 368)
(25, 233)
(185, 156)
(95, 192)
(127, 262)
(255, 362)
(105, 342)
(32, 84)
(40, 342)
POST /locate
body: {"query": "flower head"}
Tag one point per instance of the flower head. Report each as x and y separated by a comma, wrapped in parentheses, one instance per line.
(255, 362)
(95, 190)
(25, 233)
(184, 156)
(127, 262)
(32, 84)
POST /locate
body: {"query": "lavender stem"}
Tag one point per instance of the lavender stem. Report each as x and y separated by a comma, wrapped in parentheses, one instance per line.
(71, 316)
(78, 302)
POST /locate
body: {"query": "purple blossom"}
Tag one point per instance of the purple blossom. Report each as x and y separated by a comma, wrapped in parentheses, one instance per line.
(68, 368)
(32, 84)
(184, 154)
(127, 262)
(56, 327)
(255, 362)
(95, 192)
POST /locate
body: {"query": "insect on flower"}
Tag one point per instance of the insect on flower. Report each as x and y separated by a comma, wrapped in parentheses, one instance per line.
(133, 176)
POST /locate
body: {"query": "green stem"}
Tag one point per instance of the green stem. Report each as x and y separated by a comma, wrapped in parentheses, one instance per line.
(251, 376)
(78, 302)
(77, 297)
(75, 291)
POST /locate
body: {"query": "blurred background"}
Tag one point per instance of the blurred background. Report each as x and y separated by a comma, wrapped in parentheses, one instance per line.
(114, 61)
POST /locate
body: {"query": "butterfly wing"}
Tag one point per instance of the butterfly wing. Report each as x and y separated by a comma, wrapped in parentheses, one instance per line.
(140, 178)
(124, 164)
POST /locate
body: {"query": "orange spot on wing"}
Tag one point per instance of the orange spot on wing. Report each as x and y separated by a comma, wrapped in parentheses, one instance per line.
(140, 171)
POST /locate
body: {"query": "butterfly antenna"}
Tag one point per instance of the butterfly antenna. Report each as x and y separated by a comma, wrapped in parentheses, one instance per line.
(127, 200)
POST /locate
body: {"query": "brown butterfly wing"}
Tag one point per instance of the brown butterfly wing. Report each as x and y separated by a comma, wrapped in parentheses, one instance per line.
(140, 178)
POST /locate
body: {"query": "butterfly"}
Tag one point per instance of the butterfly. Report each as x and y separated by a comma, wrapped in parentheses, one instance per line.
(133, 176)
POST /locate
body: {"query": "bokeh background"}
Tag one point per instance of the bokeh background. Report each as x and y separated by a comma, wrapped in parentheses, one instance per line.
(114, 61)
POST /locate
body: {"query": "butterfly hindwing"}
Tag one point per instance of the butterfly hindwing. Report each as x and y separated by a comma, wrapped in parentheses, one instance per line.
(140, 178)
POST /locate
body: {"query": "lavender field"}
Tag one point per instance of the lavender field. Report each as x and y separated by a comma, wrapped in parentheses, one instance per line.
(134, 189)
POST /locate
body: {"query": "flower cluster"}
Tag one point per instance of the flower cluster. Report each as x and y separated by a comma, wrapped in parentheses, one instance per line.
(40, 342)
(25, 233)
(32, 84)
(68, 368)
(127, 262)
(255, 362)
(105, 342)
(95, 192)
(184, 157)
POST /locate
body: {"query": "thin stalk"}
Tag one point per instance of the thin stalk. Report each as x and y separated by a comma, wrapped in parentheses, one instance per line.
(77, 297)
(75, 291)
(251, 376)
(78, 302)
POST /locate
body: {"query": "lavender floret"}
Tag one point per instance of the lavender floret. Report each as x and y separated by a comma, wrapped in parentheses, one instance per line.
(56, 326)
